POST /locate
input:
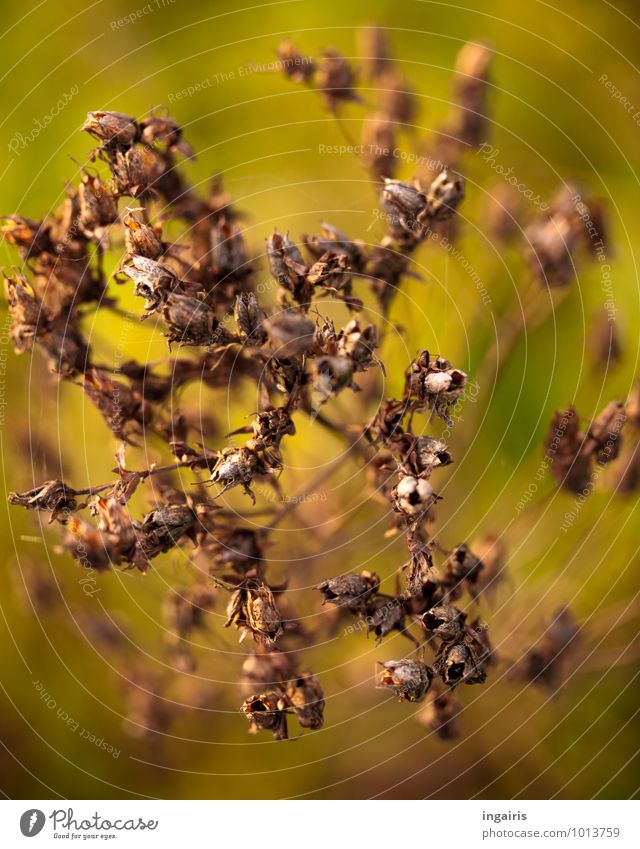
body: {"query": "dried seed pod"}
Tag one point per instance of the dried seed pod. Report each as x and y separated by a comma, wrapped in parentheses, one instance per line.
(351, 591)
(604, 434)
(249, 319)
(113, 129)
(405, 204)
(462, 565)
(335, 78)
(409, 679)
(235, 467)
(440, 715)
(398, 98)
(161, 529)
(295, 65)
(98, 208)
(27, 312)
(141, 239)
(290, 333)
(471, 88)
(267, 712)
(266, 670)
(434, 384)
(52, 496)
(305, 696)
(166, 131)
(120, 406)
(373, 46)
(459, 662)
(379, 144)
(444, 195)
(420, 455)
(239, 549)
(31, 237)
(445, 622)
(153, 281)
(252, 609)
(192, 322)
(385, 615)
(413, 497)
(545, 662)
(358, 344)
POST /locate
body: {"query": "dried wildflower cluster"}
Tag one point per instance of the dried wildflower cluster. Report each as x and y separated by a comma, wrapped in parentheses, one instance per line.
(201, 291)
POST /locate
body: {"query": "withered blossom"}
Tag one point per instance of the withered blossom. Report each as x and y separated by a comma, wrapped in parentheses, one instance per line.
(434, 384)
(305, 696)
(267, 712)
(54, 497)
(252, 610)
(440, 714)
(335, 78)
(408, 679)
(122, 408)
(351, 591)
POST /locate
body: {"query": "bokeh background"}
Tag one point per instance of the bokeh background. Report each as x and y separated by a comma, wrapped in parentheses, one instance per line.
(552, 119)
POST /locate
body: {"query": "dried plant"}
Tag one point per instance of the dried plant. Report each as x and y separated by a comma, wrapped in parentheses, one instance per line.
(202, 292)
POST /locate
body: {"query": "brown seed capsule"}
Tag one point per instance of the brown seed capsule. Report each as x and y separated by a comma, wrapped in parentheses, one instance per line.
(434, 384)
(444, 195)
(440, 715)
(267, 712)
(294, 65)
(52, 496)
(193, 322)
(252, 609)
(32, 237)
(161, 529)
(384, 615)
(350, 591)
(113, 129)
(249, 319)
(153, 281)
(166, 131)
(265, 670)
(306, 698)
(335, 78)
(413, 497)
(405, 204)
(457, 663)
(471, 88)
(121, 407)
(604, 434)
(98, 208)
(141, 239)
(290, 333)
(445, 622)
(409, 679)
(379, 144)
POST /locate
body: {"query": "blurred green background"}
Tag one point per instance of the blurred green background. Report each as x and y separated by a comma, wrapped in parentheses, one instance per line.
(553, 120)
